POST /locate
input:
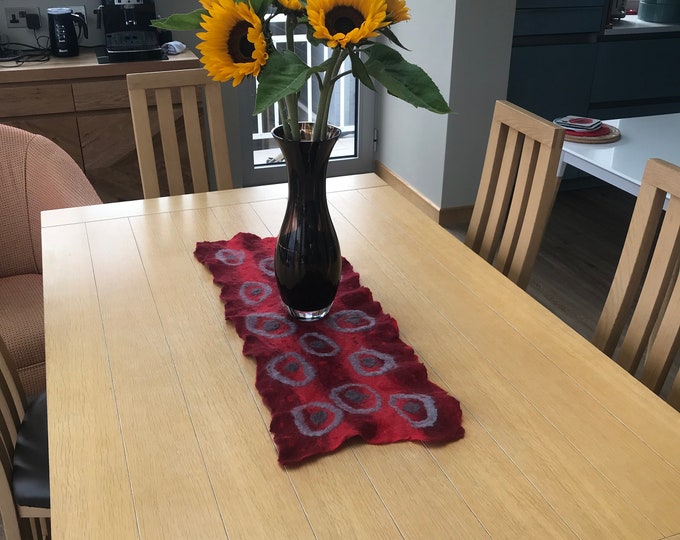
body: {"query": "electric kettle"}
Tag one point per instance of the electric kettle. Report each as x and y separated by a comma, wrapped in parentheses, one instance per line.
(63, 36)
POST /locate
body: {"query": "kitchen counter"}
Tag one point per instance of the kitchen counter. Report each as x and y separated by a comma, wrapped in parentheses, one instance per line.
(85, 66)
(631, 24)
(84, 107)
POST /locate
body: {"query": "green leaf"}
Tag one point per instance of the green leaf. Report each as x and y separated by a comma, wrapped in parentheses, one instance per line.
(387, 32)
(181, 21)
(323, 66)
(260, 7)
(359, 70)
(403, 79)
(283, 74)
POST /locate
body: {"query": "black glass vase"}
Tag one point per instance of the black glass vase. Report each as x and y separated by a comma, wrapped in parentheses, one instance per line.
(307, 261)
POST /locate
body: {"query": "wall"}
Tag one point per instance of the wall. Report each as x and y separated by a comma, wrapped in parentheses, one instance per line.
(465, 46)
(412, 142)
(481, 64)
(95, 37)
(27, 37)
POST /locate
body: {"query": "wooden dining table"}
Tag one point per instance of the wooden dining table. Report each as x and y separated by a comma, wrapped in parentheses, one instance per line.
(156, 429)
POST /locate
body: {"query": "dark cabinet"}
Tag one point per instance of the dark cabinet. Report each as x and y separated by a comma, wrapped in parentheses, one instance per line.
(563, 62)
(637, 77)
(552, 80)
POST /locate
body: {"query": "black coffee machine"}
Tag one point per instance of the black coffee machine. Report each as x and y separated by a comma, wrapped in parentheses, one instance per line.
(129, 35)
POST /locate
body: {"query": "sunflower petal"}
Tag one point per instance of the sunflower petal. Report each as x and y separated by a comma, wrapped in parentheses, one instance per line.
(344, 22)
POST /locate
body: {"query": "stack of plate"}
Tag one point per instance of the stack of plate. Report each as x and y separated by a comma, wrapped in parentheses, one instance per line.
(587, 130)
(578, 123)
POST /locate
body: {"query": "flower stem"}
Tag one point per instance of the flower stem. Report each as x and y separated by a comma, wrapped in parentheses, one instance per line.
(321, 124)
(284, 119)
(291, 100)
(292, 109)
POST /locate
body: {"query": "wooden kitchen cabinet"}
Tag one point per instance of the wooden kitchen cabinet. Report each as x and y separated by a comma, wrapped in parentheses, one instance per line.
(83, 107)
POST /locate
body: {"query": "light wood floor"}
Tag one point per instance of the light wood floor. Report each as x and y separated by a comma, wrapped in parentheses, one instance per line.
(579, 253)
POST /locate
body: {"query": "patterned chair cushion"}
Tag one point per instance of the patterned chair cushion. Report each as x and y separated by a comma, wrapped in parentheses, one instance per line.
(35, 175)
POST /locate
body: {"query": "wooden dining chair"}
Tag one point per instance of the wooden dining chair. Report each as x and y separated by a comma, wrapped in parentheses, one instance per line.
(640, 322)
(25, 489)
(517, 190)
(192, 85)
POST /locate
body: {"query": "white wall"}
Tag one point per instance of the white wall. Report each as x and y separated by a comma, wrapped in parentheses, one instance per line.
(96, 37)
(465, 46)
(412, 142)
(27, 37)
(482, 46)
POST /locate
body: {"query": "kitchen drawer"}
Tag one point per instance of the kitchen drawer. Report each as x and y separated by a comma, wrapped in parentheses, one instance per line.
(101, 95)
(576, 20)
(642, 69)
(552, 80)
(31, 100)
(542, 4)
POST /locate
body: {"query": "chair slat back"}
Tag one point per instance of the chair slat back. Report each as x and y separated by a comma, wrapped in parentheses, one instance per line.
(517, 190)
(192, 86)
(12, 407)
(12, 399)
(642, 309)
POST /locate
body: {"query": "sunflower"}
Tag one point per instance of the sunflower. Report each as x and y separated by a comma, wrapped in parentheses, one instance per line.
(233, 45)
(397, 11)
(339, 22)
(292, 5)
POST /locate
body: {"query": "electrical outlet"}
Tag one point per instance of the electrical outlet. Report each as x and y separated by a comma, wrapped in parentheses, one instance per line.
(16, 16)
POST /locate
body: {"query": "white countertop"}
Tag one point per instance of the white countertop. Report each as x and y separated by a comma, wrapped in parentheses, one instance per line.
(630, 24)
(621, 163)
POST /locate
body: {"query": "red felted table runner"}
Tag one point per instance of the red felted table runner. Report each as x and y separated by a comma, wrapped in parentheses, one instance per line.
(326, 381)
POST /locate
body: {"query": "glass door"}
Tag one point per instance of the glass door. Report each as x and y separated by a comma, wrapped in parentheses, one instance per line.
(351, 110)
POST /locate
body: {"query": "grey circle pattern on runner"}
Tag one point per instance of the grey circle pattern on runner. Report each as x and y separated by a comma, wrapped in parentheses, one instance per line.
(266, 266)
(290, 363)
(318, 344)
(270, 325)
(351, 320)
(318, 417)
(356, 398)
(371, 363)
(231, 257)
(254, 292)
(409, 406)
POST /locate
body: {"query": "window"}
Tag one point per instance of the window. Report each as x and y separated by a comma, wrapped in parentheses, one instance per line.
(351, 110)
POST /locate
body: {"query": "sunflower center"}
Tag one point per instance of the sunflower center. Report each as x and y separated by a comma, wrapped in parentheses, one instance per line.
(343, 19)
(240, 49)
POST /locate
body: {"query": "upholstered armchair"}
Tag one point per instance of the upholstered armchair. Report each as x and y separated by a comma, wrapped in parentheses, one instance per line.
(35, 175)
